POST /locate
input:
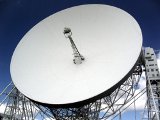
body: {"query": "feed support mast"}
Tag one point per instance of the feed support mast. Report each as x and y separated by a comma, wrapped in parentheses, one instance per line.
(152, 84)
(78, 58)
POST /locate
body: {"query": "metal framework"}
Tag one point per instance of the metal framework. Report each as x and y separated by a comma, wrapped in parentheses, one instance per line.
(18, 107)
(78, 58)
(102, 108)
(152, 108)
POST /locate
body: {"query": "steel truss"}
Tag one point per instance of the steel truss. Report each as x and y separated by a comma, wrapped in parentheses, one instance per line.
(153, 101)
(103, 108)
(152, 107)
(18, 107)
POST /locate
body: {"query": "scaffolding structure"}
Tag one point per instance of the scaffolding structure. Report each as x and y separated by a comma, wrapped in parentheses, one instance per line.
(18, 107)
(152, 107)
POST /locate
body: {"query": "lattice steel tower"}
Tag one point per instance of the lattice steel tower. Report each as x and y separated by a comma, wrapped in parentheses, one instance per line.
(152, 84)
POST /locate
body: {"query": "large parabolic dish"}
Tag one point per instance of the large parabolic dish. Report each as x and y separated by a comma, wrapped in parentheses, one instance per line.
(42, 65)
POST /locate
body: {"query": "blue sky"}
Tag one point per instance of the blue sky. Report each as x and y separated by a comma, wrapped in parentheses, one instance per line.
(18, 16)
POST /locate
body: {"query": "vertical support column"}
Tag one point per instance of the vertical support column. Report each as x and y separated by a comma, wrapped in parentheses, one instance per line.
(152, 83)
(19, 108)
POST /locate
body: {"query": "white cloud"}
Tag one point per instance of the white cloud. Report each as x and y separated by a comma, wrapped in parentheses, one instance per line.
(158, 54)
(140, 102)
(2, 108)
(39, 117)
(49, 119)
(158, 61)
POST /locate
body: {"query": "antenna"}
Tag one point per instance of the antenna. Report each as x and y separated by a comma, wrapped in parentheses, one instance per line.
(43, 59)
(78, 58)
(111, 41)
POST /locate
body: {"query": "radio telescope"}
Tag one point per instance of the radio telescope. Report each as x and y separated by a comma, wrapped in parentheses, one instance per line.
(78, 60)
(42, 65)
